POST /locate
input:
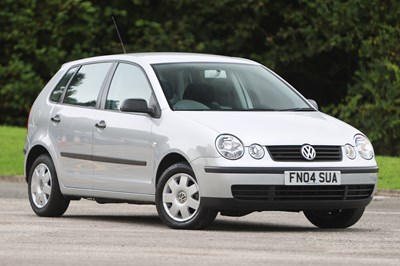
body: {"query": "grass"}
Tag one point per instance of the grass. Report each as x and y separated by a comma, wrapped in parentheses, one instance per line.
(389, 172)
(12, 141)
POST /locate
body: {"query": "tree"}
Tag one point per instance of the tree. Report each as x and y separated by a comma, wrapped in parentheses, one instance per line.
(344, 54)
(37, 37)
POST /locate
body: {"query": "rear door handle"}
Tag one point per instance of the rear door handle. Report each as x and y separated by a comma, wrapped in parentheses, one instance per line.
(56, 119)
(101, 124)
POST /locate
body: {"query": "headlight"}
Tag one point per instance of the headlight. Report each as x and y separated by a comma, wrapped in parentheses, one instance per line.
(256, 151)
(350, 151)
(364, 147)
(230, 147)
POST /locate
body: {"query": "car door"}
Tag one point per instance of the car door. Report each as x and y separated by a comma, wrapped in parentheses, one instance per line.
(73, 122)
(121, 145)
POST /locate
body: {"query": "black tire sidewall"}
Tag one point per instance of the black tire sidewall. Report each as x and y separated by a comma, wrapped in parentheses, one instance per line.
(344, 219)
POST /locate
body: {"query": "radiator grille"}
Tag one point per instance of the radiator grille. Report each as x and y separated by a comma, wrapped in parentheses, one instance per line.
(293, 153)
(294, 193)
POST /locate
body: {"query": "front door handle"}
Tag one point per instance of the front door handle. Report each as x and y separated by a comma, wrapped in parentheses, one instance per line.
(101, 124)
(56, 119)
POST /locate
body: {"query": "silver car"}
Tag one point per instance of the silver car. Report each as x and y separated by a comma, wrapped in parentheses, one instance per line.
(196, 135)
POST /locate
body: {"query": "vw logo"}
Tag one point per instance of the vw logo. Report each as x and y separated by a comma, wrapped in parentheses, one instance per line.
(308, 152)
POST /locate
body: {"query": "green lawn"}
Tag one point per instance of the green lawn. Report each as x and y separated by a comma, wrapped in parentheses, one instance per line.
(389, 172)
(12, 142)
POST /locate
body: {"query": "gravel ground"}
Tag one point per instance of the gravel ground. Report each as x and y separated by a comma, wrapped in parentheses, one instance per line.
(122, 234)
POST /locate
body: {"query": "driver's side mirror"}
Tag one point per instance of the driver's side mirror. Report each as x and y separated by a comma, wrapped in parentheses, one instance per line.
(313, 103)
(137, 106)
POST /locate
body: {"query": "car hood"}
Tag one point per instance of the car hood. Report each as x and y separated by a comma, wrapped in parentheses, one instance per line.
(277, 128)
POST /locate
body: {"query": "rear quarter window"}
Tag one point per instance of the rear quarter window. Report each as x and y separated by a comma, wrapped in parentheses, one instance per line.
(59, 89)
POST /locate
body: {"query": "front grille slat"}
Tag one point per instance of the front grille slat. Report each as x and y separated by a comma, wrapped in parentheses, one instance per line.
(294, 193)
(309, 196)
(293, 153)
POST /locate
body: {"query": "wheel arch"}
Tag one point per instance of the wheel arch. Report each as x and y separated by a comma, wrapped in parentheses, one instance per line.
(167, 161)
(34, 152)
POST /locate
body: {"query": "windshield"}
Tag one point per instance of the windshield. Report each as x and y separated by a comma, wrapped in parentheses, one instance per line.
(226, 87)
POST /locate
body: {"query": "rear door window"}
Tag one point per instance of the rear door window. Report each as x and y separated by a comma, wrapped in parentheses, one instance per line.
(84, 88)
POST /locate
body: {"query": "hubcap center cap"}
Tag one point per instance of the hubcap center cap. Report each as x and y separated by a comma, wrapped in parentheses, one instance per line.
(41, 184)
(182, 197)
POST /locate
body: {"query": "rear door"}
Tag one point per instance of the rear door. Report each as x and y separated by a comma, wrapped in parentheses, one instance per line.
(73, 122)
(122, 149)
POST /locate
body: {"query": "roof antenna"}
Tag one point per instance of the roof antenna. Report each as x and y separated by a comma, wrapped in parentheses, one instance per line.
(119, 36)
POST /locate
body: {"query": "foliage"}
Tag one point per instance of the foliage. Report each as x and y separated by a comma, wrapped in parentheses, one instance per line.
(373, 97)
(344, 54)
(37, 37)
(373, 105)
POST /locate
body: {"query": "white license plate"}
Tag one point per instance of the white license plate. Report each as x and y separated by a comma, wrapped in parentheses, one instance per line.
(312, 178)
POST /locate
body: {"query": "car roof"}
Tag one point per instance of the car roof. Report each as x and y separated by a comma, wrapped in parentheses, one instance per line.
(161, 57)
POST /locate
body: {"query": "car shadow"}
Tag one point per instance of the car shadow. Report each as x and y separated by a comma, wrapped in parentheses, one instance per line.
(218, 225)
(251, 226)
(150, 220)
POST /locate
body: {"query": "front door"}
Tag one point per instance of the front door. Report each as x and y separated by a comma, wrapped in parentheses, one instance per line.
(122, 152)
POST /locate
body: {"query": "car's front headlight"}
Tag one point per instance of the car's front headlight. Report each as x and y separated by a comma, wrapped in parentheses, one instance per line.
(364, 147)
(229, 146)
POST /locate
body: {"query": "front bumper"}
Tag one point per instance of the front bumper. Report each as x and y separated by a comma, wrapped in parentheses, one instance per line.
(266, 190)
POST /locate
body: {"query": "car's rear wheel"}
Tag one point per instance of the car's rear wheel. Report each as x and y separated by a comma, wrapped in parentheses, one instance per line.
(44, 191)
(178, 199)
(334, 218)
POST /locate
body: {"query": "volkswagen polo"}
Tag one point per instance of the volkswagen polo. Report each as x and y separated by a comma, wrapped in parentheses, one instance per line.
(196, 135)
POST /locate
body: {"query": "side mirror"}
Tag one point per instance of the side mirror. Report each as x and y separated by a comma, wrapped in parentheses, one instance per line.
(313, 103)
(136, 106)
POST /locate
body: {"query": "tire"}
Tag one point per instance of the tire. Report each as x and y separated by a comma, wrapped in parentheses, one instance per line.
(43, 189)
(178, 200)
(335, 218)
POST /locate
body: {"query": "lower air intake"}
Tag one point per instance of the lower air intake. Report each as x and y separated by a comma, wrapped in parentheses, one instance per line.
(295, 193)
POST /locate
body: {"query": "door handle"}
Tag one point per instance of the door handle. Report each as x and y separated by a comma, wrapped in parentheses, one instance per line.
(56, 119)
(101, 124)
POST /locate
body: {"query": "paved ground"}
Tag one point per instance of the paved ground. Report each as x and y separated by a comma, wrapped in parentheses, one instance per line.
(121, 234)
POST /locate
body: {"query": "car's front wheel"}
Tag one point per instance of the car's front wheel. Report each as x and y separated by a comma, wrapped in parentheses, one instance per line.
(334, 218)
(43, 189)
(178, 199)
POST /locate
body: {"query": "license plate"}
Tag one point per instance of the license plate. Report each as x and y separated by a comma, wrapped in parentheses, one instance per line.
(312, 178)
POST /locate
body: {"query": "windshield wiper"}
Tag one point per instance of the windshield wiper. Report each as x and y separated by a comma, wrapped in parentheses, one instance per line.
(260, 109)
(298, 109)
